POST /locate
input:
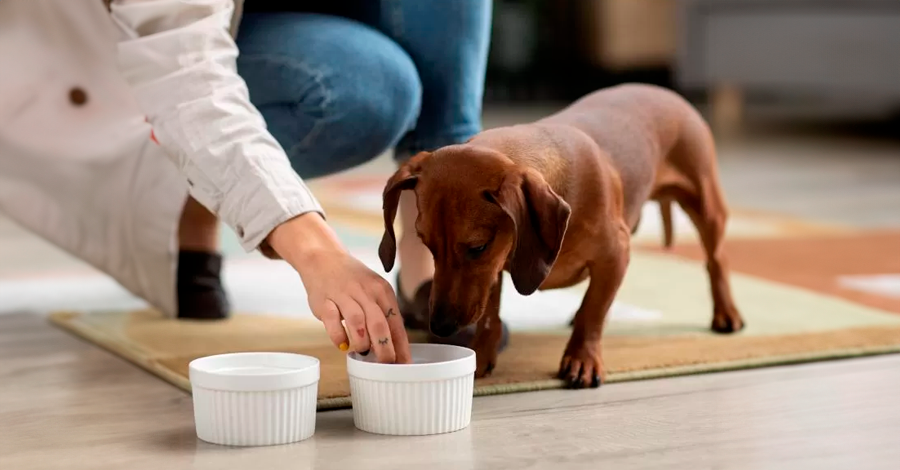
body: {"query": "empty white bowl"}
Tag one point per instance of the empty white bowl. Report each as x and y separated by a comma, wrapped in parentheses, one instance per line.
(255, 399)
(431, 396)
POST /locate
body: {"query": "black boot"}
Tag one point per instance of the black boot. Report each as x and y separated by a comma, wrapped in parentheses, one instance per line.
(200, 292)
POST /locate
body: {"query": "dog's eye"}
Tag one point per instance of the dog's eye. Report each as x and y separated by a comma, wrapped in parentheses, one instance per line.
(475, 251)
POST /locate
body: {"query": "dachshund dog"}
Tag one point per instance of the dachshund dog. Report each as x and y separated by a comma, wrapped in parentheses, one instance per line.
(555, 202)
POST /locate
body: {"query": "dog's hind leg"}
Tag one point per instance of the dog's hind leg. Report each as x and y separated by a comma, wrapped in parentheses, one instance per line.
(699, 193)
(708, 212)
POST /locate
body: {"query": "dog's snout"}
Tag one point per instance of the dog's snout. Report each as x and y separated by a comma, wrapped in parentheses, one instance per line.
(443, 323)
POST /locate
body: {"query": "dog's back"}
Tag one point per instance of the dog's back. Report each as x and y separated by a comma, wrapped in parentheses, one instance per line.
(614, 116)
(656, 139)
(640, 129)
(637, 125)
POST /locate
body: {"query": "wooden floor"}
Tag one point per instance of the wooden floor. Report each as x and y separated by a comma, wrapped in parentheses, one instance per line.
(67, 405)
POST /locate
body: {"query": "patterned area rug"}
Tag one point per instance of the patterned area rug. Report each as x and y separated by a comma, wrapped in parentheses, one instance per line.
(807, 291)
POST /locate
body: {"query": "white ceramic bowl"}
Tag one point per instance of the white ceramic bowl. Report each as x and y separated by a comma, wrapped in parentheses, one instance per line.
(255, 399)
(431, 396)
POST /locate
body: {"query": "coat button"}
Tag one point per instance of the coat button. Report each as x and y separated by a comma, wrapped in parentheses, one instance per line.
(78, 96)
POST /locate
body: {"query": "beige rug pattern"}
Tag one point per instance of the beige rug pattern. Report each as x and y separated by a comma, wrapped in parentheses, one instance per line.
(785, 325)
(785, 277)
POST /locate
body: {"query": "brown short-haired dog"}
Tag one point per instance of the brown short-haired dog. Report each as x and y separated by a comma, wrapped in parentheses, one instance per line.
(555, 202)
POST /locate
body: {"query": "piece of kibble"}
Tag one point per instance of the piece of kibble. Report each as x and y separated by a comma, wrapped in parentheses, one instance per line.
(344, 347)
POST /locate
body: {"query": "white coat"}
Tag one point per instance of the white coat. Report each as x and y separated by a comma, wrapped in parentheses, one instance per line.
(110, 118)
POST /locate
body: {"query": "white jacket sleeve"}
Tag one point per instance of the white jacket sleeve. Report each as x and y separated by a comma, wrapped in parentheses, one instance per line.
(180, 59)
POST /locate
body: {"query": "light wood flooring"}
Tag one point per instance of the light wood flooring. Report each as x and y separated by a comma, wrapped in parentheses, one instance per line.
(65, 404)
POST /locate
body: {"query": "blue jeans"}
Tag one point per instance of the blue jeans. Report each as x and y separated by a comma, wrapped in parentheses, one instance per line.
(337, 91)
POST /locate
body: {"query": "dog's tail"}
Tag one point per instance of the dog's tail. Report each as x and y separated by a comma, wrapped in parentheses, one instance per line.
(665, 209)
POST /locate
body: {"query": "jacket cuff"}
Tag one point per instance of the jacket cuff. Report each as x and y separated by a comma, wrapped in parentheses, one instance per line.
(253, 210)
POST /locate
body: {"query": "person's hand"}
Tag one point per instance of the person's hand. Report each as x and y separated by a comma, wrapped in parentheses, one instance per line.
(340, 287)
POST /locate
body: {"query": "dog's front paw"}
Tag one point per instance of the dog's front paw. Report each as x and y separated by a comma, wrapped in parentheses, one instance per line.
(484, 366)
(485, 357)
(581, 367)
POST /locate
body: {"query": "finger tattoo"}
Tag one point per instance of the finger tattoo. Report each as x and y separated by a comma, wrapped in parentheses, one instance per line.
(383, 341)
(390, 313)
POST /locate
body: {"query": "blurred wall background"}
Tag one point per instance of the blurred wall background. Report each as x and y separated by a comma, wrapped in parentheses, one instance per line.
(785, 61)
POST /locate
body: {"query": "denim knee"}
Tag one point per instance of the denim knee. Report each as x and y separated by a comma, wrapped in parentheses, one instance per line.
(448, 41)
(341, 96)
(371, 111)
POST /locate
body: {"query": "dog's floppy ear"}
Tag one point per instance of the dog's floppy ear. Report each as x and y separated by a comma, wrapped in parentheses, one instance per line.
(540, 218)
(405, 178)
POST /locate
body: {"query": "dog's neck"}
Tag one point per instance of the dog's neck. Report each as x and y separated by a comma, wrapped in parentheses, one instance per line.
(539, 151)
(550, 164)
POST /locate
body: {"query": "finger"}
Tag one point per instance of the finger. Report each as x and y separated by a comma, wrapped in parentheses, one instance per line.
(355, 320)
(330, 316)
(379, 333)
(388, 304)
